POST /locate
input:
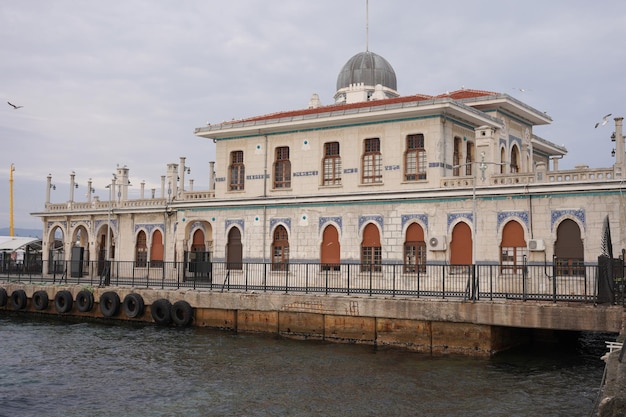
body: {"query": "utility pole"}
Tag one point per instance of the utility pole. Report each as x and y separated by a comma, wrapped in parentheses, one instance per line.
(11, 229)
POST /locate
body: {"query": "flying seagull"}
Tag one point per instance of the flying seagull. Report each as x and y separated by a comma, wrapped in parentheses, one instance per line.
(14, 106)
(604, 121)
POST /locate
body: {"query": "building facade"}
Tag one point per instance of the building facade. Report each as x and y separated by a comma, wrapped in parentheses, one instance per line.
(376, 177)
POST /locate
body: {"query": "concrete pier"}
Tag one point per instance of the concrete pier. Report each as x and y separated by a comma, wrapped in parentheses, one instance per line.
(436, 326)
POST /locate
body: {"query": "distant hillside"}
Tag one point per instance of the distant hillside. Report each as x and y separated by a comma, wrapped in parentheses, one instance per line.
(21, 232)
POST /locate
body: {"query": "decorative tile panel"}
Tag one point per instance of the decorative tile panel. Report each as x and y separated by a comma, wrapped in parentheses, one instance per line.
(452, 217)
(423, 218)
(323, 220)
(506, 215)
(556, 215)
(376, 219)
(238, 222)
(281, 220)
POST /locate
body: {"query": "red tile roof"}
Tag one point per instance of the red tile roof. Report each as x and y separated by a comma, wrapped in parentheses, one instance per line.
(455, 95)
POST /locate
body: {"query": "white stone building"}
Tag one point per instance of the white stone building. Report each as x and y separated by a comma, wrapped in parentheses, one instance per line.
(376, 177)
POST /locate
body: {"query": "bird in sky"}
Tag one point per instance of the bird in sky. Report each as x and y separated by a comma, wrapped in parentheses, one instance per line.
(604, 121)
(14, 106)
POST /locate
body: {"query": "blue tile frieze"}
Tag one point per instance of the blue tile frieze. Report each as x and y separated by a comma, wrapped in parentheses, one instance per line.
(238, 222)
(557, 215)
(350, 170)
(324, 220)
(506, 215)
(453, 217)
(149, 227)
(376, 219)
(305, 174)
(99, 224)
(281, 220)
(75, 223)
(52, 223)
(423, 218)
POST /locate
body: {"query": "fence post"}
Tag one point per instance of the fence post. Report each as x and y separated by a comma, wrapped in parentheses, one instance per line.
(393, 289)
(524, 277)
(554, 270)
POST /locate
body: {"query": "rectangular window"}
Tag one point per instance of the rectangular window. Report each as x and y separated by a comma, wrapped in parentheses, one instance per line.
(237, 171)
(371, 259)
(332, 164)
(415, 158)
(414, 257)
(282, 168)
(512, 259)
(372, 162)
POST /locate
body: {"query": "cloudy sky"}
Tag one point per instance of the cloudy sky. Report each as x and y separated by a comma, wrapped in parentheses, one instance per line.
(126, 82)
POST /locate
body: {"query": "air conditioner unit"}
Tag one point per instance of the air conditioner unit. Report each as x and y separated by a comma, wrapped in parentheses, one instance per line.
(437, 243)
(536, 245)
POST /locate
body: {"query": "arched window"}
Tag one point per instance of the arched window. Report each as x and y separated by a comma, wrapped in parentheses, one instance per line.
(414, 249)
(280, 249)
(569, 249)
(469, 158)
(141, 250)
(415, 158)
(234, 250)
(456, 156)
(332, 164)
(515, 159)
(372, 161)
(371, 251)
(512, 248)
(331, 249)
(237, 171)
(156, 250)
(461, 247)
(282, 168)
(197, 244)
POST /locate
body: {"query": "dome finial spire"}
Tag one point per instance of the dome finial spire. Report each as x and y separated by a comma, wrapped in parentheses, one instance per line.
(367, 22)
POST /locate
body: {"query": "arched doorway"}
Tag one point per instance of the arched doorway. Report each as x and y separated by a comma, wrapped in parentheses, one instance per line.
(56, 250)
(569, 250)
(80, 252)
(371, 251)
(234, 250)
(280, 249)
(141, 250)
(330, 250)
(156, 249)
(512, 248)
(461, 245)
(414, 249)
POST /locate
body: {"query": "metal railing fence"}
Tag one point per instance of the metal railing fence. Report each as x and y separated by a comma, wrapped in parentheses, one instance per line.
(467, 282)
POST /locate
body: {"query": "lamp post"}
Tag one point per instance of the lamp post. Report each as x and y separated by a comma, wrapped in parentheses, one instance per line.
(107, 261)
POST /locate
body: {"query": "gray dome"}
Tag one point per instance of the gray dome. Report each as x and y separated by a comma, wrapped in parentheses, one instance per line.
(367, 68)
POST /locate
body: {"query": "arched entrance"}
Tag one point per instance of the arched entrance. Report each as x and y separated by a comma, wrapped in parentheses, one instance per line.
(414, 249)
(512, 248)
(234, 250)
(280, 249)
(569, 250)
(371, 251)
(461, 245)
(330, 252)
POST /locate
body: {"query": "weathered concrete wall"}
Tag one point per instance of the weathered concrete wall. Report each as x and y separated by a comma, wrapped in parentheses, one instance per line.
(613, 403)
(423, 325)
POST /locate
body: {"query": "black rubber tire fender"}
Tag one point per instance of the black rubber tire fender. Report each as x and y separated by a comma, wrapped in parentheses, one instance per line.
(84, 301)
(18, 299)
(40, 300)
(63, 301)
(4, 297)
(182, 313)
(161, 311)
(133, 305)
(110, 304)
